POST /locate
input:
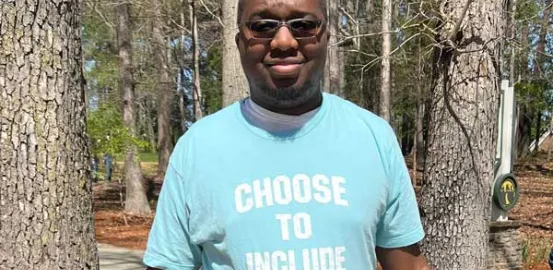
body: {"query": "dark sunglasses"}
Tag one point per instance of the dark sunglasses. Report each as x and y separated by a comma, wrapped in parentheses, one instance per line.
(300, 28)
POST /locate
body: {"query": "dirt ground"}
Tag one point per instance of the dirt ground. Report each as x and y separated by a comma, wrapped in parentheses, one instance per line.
(534, 211)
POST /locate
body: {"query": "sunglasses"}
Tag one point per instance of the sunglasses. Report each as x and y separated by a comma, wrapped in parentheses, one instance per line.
(300, 28)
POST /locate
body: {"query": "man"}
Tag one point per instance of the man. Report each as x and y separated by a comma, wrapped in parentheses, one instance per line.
(289, 178)
(108, 162)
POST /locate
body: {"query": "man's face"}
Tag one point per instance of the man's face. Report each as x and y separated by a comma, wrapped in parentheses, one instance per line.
(284, 70)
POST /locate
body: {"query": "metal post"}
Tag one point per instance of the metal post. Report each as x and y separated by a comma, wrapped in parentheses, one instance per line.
(504, 142)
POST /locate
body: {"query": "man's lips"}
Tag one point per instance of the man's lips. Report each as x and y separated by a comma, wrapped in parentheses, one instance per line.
(287, 68)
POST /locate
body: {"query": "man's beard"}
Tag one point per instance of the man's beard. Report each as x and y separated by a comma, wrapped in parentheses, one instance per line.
(289, 97)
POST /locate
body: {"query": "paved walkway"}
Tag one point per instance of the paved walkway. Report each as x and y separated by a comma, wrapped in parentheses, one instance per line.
(116, 258)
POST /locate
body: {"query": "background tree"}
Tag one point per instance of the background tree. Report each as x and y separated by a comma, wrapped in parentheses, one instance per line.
(135, 196)
(45, 191)
(164, 86)
(462, 130)
(385, 62)
(333, 69)
(196, 89)
(235, 84)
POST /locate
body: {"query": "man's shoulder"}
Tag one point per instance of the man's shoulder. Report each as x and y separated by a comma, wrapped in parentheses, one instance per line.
(212, 127)
(224, 119)
(347, 110)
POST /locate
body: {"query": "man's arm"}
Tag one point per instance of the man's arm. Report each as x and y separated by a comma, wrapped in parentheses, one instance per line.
(405, 258)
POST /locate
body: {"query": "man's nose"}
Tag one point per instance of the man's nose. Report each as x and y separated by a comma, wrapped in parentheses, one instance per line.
(284, 40)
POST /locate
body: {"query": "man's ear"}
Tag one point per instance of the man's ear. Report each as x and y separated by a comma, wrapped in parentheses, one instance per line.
(237, 38)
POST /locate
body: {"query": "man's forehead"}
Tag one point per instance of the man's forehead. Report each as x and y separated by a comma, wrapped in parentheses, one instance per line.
(262, 4)
(265, 6)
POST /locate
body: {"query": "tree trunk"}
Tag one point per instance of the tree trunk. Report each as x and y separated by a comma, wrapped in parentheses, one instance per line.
(524, 132)
(332, 69)
(539, 65)
(524, 120)
(197, 94)
(406, 132)
(135, 197)
(342, 80)
(384, 109)
(550, 147)
(182, 102)
(182, 92)
(538, 131)
(235, 85)
(150, 127)
(163, 89)
(418, 144)
(512, 34)
(46, 210)
(524, 44)
(461, 144)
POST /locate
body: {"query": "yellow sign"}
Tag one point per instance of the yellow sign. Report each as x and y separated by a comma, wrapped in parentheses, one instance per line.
(507, 187)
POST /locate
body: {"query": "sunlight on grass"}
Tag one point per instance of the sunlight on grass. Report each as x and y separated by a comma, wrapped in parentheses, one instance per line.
(148, 164)
(148, 157)
(149, 168)
(535, 251)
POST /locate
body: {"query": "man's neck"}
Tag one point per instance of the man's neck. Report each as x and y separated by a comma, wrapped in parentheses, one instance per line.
(311, 104)
(273, 121)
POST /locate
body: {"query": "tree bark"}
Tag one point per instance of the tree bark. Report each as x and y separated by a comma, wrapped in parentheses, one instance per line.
(163, 90)
(333, 72)
(524, 125)
(539, 64)
(235, 84)
(182, 92)
(550, 147)
(135, 197)
(149, 125)
(512, 35)
(538, 131)
(524, 131)
(197, 94)
(45, 178)
(418, 144)
(384, 109)
(461, 144)
(524, 44)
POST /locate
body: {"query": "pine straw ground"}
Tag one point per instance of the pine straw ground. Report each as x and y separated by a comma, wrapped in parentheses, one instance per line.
(534, 210)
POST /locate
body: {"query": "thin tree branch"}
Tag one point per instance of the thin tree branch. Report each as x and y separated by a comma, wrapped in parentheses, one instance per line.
(92, 5)
(392, 52)
(453, 34)
(211, 13)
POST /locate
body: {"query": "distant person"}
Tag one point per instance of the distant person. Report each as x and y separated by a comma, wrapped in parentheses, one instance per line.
(94, 168)
(289, 178)
(108, 162)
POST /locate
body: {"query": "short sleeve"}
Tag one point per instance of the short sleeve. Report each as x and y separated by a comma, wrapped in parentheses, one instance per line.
(400, 226)
(169, 245)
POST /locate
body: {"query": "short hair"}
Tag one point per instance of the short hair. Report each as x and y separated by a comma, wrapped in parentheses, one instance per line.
(240, 9)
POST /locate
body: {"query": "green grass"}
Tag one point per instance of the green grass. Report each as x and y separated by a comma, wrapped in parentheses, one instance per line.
(149, 168)
(535, 251)
(148, 157)
(148, 163)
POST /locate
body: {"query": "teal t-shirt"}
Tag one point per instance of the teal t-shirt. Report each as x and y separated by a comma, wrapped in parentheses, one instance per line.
(319, 198)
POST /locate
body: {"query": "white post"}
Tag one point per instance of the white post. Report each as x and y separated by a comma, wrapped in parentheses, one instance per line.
(505, 141)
